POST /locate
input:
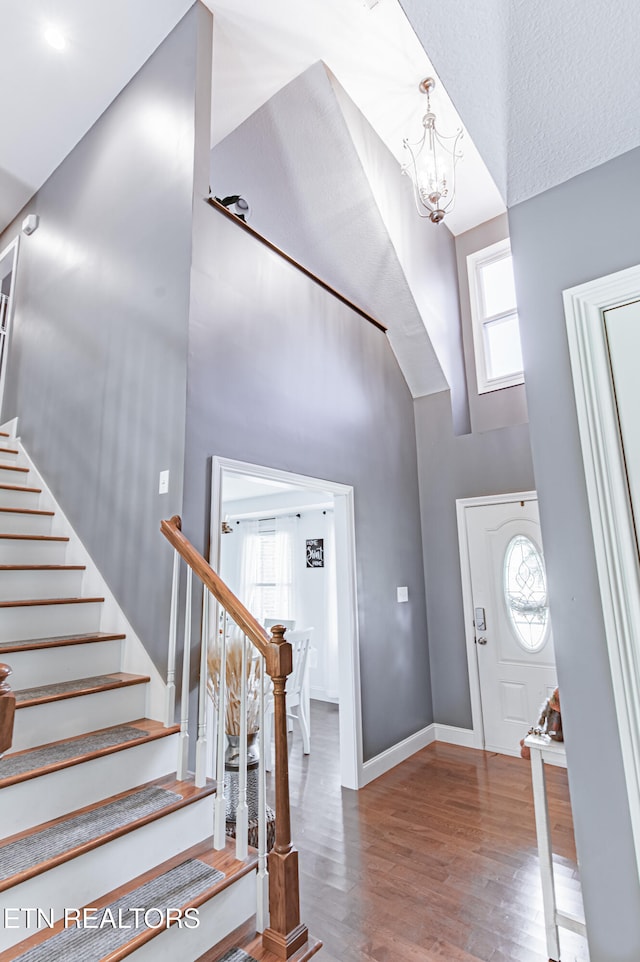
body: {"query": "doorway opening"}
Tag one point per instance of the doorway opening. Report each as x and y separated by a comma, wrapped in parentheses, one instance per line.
(8, 262)
(285, 545)
(508, 629)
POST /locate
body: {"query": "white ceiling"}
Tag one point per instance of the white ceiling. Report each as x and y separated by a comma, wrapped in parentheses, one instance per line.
(547, 90)
(259, 47)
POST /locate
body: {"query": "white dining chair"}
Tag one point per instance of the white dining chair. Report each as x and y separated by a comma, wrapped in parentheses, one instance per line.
(297, 694)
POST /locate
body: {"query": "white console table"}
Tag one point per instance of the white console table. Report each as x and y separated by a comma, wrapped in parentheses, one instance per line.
(545, 751)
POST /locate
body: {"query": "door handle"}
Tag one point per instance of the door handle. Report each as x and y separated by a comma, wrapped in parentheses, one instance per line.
(481, 641)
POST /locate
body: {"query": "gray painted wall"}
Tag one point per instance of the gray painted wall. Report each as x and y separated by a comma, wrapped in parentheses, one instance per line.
(282, 374)
(558, 243)
(495, 462)
(97, 367)
(495, 409)
(324, 188)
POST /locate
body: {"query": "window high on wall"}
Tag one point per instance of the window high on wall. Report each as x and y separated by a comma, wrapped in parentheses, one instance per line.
(494, 313)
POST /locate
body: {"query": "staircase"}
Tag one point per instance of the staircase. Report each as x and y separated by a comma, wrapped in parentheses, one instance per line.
(104, 852)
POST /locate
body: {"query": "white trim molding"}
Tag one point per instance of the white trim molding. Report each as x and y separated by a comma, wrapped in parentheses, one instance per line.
(609, 504)
(393, 756)
(451, 735)
(476, 734)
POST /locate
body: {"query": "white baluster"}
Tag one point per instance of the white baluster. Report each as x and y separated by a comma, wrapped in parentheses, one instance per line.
(170, 703)
(242, 812)
(262, 908)
(220, 808)
(201, 744)
(183, 746)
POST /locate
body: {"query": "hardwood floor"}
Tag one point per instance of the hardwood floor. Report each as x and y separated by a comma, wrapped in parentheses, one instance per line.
(436, 860)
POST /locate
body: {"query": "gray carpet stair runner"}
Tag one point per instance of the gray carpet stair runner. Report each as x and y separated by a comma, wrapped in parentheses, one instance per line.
(40, 846)
(236, 955)
(62, 687)
(36, 758)
(117, 923)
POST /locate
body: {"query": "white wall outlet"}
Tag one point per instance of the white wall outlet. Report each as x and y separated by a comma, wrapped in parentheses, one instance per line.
(163, 487)
(402, 594)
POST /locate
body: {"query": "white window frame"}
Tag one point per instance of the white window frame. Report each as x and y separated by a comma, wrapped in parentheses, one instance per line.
(475, 262)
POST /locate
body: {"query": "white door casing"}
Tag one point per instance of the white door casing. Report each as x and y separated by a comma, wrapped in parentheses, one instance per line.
(8, 265)
(507, 683)
(616, 548)
(350, 712)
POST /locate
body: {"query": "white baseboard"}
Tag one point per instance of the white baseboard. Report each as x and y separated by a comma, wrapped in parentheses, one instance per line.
(135, 658)
(466, 737)
(388, 759)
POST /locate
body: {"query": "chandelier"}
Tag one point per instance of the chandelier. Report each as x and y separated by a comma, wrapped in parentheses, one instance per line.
(431, 164)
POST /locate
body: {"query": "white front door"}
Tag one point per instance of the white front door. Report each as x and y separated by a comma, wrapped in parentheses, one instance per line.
(513, 639)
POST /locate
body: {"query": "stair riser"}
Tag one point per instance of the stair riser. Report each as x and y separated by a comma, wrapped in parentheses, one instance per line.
(40, 666)
(16, 585)
(83, 879)
(7, 476)
(25, 523)
(77, 716)
(14, 551)
(44, 621)
(18, 499)
(40, 799)
(218, 917)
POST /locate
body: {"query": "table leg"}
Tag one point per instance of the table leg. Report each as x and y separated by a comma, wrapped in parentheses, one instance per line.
(545, 855)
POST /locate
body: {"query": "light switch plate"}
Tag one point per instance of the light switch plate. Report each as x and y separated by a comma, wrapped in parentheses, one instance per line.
(163, 486)
(402, 594)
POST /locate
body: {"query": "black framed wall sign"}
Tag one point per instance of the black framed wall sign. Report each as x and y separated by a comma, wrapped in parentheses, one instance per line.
(315, 552)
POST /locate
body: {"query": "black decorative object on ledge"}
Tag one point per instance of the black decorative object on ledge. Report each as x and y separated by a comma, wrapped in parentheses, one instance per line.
(236, 204)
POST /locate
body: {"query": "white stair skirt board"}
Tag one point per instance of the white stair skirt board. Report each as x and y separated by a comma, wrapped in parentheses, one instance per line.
(14, 522)
(45, 797)
(43, 621)
(32, 668)
(40, 583)
(388, 759)
(18, 499)
(18, 551)
(135, 659)
(77, 716)
(76, 882)
(219, 916)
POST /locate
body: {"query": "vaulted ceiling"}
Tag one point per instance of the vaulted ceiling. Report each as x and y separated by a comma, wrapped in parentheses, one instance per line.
(545, 90)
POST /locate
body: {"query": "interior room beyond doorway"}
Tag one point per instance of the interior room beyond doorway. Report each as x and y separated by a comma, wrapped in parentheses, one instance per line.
(282, 543)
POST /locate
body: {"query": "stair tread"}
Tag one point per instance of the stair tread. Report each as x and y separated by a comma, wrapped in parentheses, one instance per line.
(20, 487)
(69, 836)
(4, 450)
(7, 466)
(28, 697)
(27, 511)
(37, 602)
(54, 756)
(33, 537)
(59, 641)
(223, 861)
(253, 951)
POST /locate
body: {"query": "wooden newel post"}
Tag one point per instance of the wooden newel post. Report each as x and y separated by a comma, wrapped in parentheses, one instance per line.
(7, 709)
(286, 933)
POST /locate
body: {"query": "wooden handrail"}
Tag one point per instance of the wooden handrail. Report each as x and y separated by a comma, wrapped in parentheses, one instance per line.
(286, 933)
(242, 616)
(7, 709)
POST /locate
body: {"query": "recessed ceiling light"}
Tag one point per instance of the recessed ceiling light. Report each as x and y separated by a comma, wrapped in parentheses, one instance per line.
(55, 37)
